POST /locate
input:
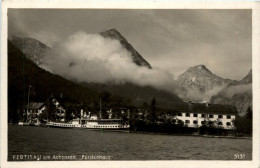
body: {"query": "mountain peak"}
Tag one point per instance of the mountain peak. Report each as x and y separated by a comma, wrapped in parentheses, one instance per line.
(201, 66)
(113, 33)
(199, 72)
(250, 72)
(136, 57)
(198, 82)
(113, 30)
(247, 79)
(199, 69)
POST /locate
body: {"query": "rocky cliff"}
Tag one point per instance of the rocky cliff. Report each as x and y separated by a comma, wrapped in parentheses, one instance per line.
(31, 48)
(198, 84)
(137, 58)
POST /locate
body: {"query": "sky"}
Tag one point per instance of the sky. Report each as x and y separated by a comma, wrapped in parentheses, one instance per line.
(171, 40)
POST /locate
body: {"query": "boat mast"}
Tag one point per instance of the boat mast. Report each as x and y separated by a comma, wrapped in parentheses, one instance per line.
(28, 101)
(100, 109)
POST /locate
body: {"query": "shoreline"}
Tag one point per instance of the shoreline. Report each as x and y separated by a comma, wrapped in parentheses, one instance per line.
(160, 133)
(194, 135)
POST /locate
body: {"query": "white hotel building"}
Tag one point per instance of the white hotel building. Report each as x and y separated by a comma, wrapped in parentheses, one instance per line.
(198, 114)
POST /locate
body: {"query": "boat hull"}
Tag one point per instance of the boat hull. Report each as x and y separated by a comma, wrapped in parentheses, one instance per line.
(26, 124)
(92, 127)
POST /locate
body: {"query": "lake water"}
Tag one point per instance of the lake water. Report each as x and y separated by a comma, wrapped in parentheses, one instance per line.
(43, 143)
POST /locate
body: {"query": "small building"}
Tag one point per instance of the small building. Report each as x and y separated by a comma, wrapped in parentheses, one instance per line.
(60, 109)
(34, 110)
(37, 108)
(197, 114)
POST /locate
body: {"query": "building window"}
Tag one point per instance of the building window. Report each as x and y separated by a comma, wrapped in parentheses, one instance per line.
(220, 123)
(195, 122)
(195, 115)
(228, 117)
(211, 116)
(180, 114)
(187, 121)
(203, 115)
(220, 116)
(228, 123)
(202, 122)
(210, 123)
(187, 114)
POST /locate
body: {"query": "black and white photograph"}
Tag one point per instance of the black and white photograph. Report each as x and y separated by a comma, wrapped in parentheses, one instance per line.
(97, 84)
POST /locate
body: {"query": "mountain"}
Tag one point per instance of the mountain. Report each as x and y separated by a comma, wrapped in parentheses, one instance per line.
(137, 94)
(35, 50)
(137, 58)
(246, 80)
(237, 93)
(23, 72)
(198, 84)
(31, 48)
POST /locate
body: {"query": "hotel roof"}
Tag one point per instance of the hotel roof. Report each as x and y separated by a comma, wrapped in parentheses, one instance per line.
(35, 105)
(208, 108)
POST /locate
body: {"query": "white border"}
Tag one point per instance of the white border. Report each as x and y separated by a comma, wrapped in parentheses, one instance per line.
(255, 6)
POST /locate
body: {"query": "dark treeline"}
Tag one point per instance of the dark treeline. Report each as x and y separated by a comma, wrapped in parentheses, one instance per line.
(23, 73)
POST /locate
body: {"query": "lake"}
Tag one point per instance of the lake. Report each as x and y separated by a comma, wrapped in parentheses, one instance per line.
(27, 143)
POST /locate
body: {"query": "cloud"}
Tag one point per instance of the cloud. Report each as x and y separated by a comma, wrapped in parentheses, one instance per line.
(239, 89)
(93, 58)
(195, 95)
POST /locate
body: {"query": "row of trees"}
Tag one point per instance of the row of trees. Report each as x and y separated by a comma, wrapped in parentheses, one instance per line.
(144, 118)
(150, 118)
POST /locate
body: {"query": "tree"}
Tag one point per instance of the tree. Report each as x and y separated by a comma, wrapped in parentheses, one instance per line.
(51, 111)
(42, 117)
(153, 109)
(134, 119)
(249, 113)
(249, 121)
(14, 104)
(243, 124)
(68, 114)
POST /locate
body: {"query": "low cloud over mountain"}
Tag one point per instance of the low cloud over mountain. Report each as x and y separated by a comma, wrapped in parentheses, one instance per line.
(97, 58)
(237, 93)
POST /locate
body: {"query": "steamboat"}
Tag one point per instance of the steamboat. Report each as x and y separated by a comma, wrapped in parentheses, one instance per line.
(93, 123)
